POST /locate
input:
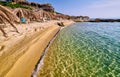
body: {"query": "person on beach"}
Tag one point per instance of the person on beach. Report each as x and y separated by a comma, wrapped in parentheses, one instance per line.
(22, 19)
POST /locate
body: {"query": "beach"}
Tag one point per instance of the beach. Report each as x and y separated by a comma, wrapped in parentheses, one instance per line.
(49, 38)
(19, 53)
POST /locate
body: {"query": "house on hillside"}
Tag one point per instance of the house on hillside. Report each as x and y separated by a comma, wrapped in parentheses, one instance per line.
(80, 18)
(86, 18)
(47, 7)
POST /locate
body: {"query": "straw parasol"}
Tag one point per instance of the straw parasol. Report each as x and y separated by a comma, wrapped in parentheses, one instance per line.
(7, 16)
(47, 14)
(20, 12)
(33, 15)
(40, 14)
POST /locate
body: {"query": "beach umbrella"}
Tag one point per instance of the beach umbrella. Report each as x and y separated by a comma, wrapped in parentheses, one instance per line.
(46, 14)
(7, 16)
(59, 16)
(3, 19)
(20, 12)
(52, 15)
(37, 15)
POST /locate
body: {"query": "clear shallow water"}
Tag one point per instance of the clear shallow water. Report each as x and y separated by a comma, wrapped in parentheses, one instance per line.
(84, 50)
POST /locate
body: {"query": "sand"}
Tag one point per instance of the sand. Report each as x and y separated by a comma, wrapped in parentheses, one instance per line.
(19, 53)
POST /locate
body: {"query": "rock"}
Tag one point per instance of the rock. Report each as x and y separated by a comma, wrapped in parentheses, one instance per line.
(1, 48)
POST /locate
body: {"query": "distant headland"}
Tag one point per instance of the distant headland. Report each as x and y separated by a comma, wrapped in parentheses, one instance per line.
(104, 20)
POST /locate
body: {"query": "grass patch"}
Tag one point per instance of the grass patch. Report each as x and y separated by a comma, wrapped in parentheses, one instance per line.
(9, 4)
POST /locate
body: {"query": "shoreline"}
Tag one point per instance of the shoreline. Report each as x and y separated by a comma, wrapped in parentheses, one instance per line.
(22, 67)
(40, 62)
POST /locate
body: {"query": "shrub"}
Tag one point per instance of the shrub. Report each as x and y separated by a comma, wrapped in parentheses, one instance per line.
(9, 4)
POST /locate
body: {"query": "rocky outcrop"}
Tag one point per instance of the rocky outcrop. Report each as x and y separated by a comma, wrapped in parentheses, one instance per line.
(80, 18)
(47, 7)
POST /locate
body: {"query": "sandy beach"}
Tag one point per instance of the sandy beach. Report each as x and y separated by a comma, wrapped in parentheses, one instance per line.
(19, 53)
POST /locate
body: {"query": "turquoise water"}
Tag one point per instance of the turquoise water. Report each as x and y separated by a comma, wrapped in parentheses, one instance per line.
(84, 50)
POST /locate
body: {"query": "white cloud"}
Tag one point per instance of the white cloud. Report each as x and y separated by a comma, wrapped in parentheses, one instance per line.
(105, 4)
(103, 8)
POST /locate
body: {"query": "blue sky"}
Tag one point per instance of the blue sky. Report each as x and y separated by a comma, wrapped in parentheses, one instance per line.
(92, 8)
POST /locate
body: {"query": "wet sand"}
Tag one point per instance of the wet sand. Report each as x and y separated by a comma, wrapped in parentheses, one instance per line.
(20, 53)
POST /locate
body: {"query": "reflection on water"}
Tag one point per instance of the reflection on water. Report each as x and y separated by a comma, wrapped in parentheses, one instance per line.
(84, 50)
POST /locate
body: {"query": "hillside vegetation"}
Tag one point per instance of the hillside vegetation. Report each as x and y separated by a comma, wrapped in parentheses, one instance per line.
(9, 4)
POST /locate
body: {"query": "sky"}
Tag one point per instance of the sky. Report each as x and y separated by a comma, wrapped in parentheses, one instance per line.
(91, 8)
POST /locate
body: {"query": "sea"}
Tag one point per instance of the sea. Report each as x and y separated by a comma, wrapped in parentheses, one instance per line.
(85, 49)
